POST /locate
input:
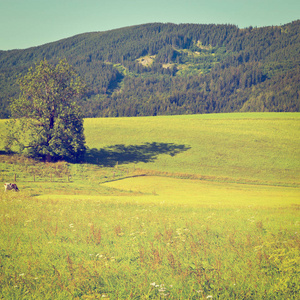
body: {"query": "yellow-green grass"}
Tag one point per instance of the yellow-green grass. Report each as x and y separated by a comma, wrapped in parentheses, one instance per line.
(121, 248)
(92, 232)
(185, 192)
(261, 148)
(250, 147)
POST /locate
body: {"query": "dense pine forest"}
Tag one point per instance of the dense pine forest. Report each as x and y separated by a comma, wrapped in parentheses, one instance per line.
(160, 69)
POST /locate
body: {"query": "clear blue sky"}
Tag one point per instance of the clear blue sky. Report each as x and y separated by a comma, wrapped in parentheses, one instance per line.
(27, 23)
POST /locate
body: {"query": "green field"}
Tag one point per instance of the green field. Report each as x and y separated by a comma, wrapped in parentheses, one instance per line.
(174, 207)
(252, 147)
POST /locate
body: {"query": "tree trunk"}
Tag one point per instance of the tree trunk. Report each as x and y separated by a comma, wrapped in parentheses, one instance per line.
(51, 125)
(48, 158)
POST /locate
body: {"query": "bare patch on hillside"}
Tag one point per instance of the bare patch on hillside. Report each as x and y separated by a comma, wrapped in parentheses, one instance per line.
(199, 45)
(146, 60)
(167, 66)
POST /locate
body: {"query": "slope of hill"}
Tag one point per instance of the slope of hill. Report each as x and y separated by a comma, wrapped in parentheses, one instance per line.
(249, 148)
(159, 69)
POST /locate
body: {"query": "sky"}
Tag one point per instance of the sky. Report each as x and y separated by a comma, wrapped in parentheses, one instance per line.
(29, 23)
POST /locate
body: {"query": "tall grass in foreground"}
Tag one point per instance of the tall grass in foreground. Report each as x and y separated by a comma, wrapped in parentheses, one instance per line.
(95, 249)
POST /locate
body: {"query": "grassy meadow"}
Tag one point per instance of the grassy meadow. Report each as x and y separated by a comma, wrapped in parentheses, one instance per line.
(173, 207)
(250, 147)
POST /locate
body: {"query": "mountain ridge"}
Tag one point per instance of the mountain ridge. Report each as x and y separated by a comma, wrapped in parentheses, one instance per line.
(195, 68)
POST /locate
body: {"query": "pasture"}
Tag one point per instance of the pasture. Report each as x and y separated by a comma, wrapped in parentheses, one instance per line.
(250, 147)
(174, 207)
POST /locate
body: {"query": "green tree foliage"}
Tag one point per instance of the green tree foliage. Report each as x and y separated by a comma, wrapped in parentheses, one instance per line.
(47, 123)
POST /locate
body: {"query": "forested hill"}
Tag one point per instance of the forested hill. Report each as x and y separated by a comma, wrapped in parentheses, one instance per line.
(158, 69)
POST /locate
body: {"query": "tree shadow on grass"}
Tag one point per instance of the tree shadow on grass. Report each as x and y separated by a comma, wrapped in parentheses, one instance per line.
(121, 154)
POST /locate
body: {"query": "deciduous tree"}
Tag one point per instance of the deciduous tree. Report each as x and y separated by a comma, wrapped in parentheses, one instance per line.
(46, 121)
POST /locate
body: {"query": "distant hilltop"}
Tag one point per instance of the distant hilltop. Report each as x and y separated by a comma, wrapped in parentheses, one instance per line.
(163, 69)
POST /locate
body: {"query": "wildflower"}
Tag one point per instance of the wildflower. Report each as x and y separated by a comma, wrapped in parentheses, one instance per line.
(152, 283)
(21, 274)
(209, 297)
